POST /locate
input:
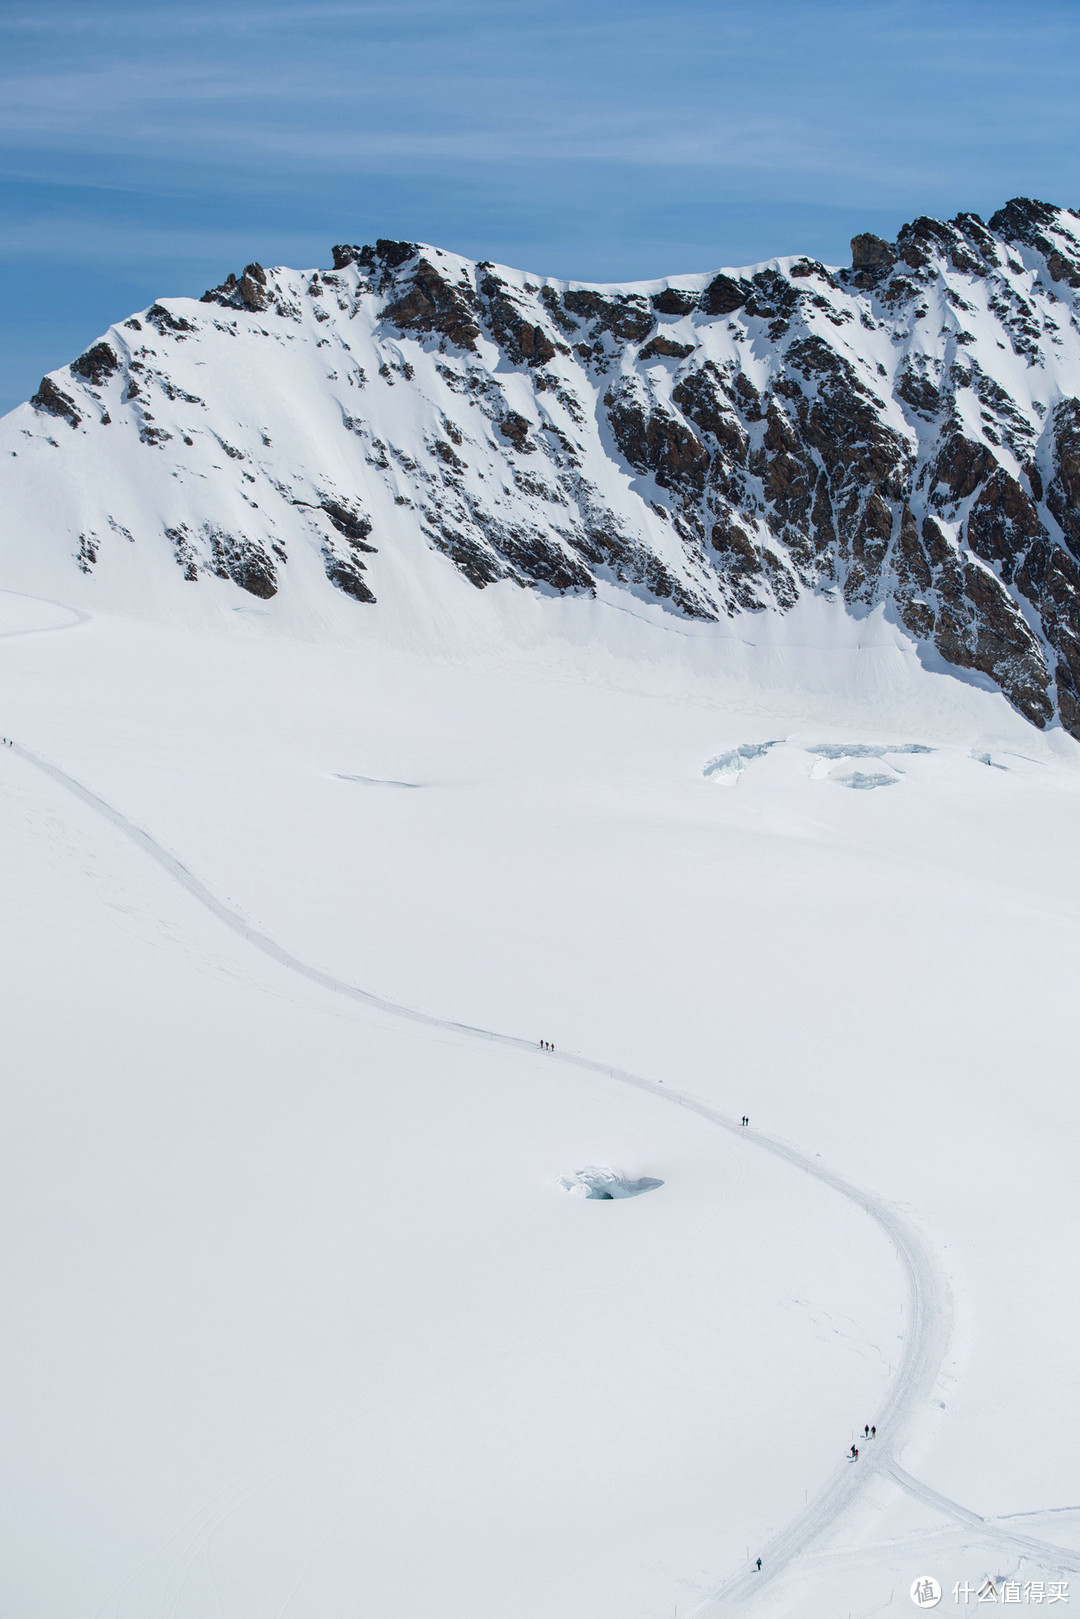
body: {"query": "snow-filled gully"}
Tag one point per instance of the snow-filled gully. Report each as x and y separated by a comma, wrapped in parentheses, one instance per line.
(928, 1309)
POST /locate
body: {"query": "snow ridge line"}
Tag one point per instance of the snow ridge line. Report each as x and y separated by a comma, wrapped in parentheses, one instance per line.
(929, 1310)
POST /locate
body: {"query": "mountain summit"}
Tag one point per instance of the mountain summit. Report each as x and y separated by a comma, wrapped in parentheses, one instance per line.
(902, 433)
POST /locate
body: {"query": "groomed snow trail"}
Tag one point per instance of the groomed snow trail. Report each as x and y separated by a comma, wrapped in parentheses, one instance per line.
(987, 1528)
(928, 1309)
(928, 1304)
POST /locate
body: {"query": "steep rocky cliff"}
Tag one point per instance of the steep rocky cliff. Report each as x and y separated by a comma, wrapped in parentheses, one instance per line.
(903, 432)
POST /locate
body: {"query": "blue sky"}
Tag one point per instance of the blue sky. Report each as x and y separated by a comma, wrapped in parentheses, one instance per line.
(148, 148)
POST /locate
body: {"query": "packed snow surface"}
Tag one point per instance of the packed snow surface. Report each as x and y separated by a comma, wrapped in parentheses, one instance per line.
(300, 1322)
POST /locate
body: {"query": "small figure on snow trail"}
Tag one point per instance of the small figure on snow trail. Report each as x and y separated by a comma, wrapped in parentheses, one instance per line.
(866, 1431)
(759, 1565)
(873, 1433)
(853, 1454)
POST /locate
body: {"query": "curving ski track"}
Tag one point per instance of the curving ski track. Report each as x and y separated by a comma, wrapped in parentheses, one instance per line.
(928, 1306)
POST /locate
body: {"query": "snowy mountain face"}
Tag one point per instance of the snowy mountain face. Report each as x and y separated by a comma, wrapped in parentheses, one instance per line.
(904, 433)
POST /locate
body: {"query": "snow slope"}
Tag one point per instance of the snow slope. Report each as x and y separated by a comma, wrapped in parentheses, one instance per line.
(301, 1320)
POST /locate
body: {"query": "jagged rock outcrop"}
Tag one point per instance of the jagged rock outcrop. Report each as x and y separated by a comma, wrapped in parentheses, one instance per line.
(904, 431)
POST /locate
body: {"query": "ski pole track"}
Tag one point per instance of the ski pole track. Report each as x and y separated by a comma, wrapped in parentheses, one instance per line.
(928, 1305)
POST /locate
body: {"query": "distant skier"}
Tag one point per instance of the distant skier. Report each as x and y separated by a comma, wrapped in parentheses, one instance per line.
(866, 1431)
(873, 1433)
(759, 1565)
(853, 1453)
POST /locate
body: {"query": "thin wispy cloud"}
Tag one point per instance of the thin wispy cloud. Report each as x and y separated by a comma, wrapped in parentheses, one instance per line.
(602, 139)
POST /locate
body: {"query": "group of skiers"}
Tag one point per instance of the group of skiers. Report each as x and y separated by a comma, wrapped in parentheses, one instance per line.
(745, 1119)
(869, 1432)
(546, 1045)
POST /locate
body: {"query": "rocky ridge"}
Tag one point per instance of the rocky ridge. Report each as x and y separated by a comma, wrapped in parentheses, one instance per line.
(904, 432)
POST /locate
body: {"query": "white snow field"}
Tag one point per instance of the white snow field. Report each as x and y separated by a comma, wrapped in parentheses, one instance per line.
(300, 1321)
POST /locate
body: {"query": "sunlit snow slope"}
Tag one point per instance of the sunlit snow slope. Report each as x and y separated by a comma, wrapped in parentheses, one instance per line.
(301, 1321)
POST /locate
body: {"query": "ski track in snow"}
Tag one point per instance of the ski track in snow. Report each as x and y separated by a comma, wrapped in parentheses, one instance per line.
(928, 1305)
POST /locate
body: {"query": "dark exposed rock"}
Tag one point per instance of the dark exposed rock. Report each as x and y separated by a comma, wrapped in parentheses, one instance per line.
(1023, 219)
(466, 551)
(982, 628)
(355, 526)
(446, 455)
(1003, 522)
(252, 289)
(515, 428)
(242, 561)
(665, 348)
(626, 316)
(869, 252)
(523, 340)
(960, 468)
(1063, 493)
(672, 301)
(772, 297)
(430, 303)
(702, 399)
(739, 558)
(183, 551)
(654, 441)
(918, 242)
(97, 364)
(163, 320)
(1034, 223)
(534, 556)
(54, 402)
(811, 267)
(395, 254)
(916, 390)
(724, 295)
(1063, 269)
(347, 574)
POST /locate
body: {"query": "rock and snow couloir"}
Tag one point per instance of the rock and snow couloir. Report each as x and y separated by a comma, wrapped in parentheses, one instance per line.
(905, 432)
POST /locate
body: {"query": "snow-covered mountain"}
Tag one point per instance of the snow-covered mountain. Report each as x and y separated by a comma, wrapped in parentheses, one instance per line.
(469, 742)
(903, 432)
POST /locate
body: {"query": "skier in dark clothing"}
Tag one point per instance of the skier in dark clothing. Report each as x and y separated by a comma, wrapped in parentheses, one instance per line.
(759, 1565)
(866, 1431)
(873, 1433)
